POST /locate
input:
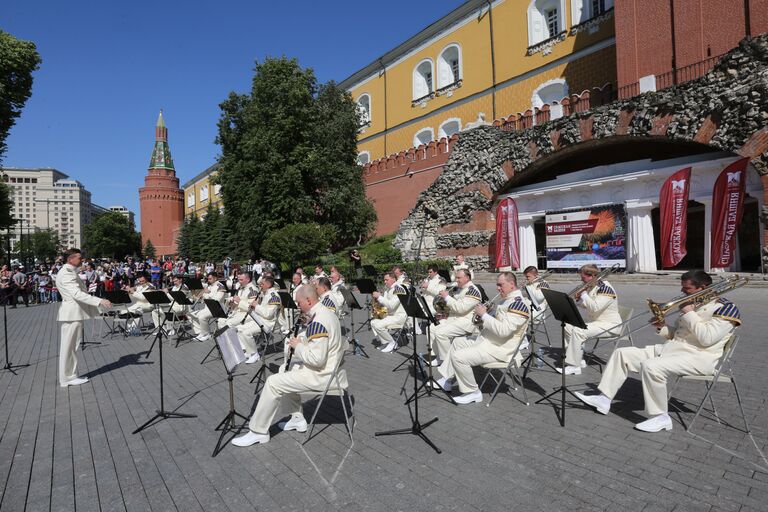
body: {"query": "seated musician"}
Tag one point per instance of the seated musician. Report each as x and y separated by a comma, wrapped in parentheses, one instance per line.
(692, 346)
(534, 287)
(396, 315)
(337, 284)
(460, 265)
(460, 307)
(325, 295)
(139, 303)
(178, 309)
(263, 317)
(319, 272)
(501, 333)
(316, 353)
(400, 276)
(432, 286)
(200, 319)
(238, 304)
(601, 313)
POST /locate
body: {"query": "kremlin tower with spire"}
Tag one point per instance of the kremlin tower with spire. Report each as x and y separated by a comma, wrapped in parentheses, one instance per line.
(161, 200)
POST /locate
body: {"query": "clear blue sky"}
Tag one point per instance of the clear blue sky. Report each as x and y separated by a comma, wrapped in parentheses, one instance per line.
(109, 67)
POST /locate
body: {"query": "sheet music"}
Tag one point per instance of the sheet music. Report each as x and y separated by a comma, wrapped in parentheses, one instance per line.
(231, 350)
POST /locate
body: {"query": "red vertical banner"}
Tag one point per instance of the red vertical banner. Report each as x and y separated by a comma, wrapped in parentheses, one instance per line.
(673, 212)
(727, 209)
(507, 235)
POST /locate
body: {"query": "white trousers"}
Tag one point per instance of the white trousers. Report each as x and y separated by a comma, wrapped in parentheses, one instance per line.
(71, 334)
(200, 321)
(380, 327)
(655, 363)
(443, 334)
(246, 333)
(574, 340)
(285, 385)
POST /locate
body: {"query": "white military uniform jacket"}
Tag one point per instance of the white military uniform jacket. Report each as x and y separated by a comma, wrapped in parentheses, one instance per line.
(461, 306)
(76, 303)
(320, 349)
(390, 300)
(601, 305)
(217, 292)
(701, 333)
(179, 308)
(506, 327)
(434, 286)
(328, 300)
(463, 266)
(268, 309)
(240, 311)
(338, 298)
(534, 290)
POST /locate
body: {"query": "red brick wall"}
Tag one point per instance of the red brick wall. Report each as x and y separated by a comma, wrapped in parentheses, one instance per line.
(393, 184)
(703, 28)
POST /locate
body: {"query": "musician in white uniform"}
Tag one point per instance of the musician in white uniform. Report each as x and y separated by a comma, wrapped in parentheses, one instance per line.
(319, 272)
(601, 313)
(460, 265)
(502, 331)
(264, 312)
(316, 353)
(400, 276)
(534, 288)
(139, 303)
(200, 319)
(461, 307)
(337, 284)
(432, 286)
(76, 305)
(178, 309)
(692, 346)
(396, 315)
(326, 297)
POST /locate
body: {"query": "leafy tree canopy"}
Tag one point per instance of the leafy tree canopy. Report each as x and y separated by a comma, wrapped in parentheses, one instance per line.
(149, 250)
(298, 243)
(111, 235)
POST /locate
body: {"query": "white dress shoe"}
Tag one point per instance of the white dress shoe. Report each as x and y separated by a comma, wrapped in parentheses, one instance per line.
(390, 347)
(435, 362)
(203, 337)
(468, 398)
(75, 382)
(656, 424)
(250, 438)
(252, 358)
(442, 382)
(583, 363)
(600, 402)
(570, 370)
(297, 423)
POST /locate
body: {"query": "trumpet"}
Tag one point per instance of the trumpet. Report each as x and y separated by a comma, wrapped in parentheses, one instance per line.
(477, 319)
(587, 287)
(540, 278)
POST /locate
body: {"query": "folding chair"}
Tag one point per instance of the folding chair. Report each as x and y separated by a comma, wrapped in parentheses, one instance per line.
(723, 372)
(334, 388)
(615, 335)
(504, 369)
(128, 317)
(540, 324)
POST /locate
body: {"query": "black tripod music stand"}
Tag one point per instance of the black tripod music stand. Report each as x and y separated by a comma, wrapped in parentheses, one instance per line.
(535, 306)
(8, 366)
(157, 298)
(117, 298)
(414, 309)
(563, 309)
(216, 312)
(231, 355)
(351, 302)
(366, 287)
(194, 285)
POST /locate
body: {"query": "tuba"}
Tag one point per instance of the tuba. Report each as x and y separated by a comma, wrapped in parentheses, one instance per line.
(587, 287)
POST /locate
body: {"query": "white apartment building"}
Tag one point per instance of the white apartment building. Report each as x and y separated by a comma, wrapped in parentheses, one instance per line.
(45, 198)
(125, 212)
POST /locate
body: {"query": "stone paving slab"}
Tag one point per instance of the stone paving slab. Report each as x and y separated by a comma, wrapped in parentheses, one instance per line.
(73, 449)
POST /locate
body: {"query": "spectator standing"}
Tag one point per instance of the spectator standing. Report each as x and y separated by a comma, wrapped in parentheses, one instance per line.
(19, 287)
(357, 262)
(155, 272)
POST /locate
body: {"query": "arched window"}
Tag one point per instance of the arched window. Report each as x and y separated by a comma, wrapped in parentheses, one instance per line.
(191, 199)
(449, 66)
(551, 91)
(422, 80)
(584, 10)
(546, 19)
(424, 136)
(449, 127)
(204, 193)
(363, 158)
(364, 108)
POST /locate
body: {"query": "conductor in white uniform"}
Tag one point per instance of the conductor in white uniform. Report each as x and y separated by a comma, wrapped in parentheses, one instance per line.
(76, 306)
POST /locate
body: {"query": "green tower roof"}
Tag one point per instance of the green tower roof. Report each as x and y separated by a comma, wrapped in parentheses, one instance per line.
(161, 153)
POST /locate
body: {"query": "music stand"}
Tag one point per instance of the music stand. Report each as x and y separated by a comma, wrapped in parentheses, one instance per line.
(280, 282)
(563, 309)
(157, 298)
(117, 298)
(369, 270)
(351, 301)
(535, 306)
(228, 343)
(194, 285)
(445, 275)
(366, 287)
(217, 312)
(413, 308)
(181, 299)
(8, 366)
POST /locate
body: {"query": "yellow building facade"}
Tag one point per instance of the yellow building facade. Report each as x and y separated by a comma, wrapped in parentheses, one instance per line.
(484, 61)
(199, 192)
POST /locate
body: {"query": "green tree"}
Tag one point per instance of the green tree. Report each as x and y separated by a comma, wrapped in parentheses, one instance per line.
(18, 60)
(46, 244)
(298, 243)
(293, 144)
(212, 235)
(111, 235)
(149, 250)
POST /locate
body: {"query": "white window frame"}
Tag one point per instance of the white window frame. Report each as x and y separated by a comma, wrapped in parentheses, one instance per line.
(417, 140)
(536, 100)
(442, 63)
(537, 22)
(582, 11)
(419, 93)
(364, 155)
(204, 193)
(191, 199)
(367, 118)
(441, 130)
(217, 189)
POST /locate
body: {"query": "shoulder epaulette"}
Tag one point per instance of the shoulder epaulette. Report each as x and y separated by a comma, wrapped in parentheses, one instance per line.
(274, 299)
(727, 310)
(544, 284)
(606, 289)
(328, 303)
(519, 307)
(400, 290)
(316, 330)
(474, 293)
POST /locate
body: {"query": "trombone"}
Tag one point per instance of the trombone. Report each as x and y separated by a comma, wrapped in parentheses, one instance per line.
(587, 287)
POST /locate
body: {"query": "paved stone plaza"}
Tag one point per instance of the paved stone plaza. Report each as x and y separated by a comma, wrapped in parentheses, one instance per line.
(72, 449)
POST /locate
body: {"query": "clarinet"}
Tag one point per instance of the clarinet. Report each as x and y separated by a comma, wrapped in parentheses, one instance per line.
(300, 320)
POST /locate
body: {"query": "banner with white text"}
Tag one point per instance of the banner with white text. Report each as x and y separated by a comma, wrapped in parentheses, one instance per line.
(590, 235)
